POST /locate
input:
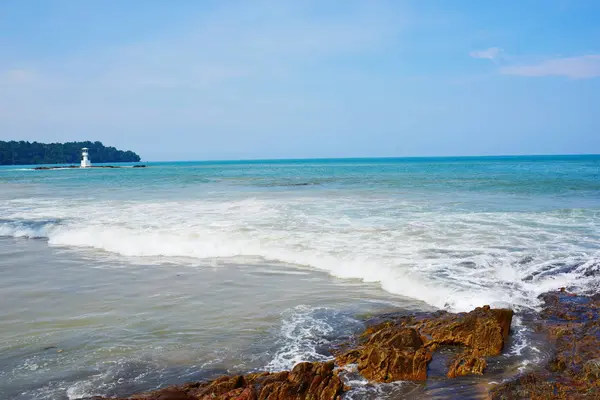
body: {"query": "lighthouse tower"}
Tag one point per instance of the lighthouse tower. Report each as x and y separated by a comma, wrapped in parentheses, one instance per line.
(85, 162)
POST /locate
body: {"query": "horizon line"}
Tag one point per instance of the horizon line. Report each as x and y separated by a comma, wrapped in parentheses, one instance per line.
(380, 158)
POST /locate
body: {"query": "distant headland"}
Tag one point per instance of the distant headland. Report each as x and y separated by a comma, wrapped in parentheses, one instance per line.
(28, 153)
(92, 166)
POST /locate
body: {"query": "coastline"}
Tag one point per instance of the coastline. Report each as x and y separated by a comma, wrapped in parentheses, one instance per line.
(92, 166)
(400, 347)
(188, 272)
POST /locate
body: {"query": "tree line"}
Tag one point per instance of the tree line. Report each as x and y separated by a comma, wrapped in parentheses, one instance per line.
(26, 153)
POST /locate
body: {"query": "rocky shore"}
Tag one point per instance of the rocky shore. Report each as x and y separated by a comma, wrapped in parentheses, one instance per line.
(397, 347)
(572, 324)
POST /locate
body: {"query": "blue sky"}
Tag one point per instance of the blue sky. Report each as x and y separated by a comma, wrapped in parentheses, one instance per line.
(191, 79)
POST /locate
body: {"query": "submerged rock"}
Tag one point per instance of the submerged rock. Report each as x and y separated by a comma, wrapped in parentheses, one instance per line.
(400, 349)
(63, 167)
(572, 324)
(93, 166)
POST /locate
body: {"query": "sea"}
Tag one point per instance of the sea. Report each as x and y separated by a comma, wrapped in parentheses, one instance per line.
(116, 281)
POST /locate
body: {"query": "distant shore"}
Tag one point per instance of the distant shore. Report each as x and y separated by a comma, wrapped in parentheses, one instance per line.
(93, 166)
(35, 153)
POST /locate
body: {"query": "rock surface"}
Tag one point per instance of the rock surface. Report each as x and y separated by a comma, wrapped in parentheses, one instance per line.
(572, 323)
(467, 363)
(391, 353)
(400, 349)
(306, 381)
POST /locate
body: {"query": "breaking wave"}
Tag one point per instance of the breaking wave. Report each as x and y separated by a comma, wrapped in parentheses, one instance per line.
(31, 229)
(452, 260)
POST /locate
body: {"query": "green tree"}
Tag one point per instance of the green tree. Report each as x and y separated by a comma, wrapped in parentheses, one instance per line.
(24, 153)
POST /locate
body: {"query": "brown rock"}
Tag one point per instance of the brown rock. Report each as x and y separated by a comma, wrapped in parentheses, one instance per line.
(483, 329)
(382, 364)
(467, 363)
(572, 324)
(402, 348)
(399, 348)
(170, 394)
(392, 354)
(591, 369)
(306, 381)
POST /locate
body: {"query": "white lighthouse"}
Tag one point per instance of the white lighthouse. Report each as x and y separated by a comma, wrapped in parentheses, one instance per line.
(85, 162)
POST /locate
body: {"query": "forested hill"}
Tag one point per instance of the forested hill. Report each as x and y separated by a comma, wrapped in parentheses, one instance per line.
(24, 153)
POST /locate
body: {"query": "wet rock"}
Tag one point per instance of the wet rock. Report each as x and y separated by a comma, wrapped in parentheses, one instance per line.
(397, 347)
(171, 394)
(63, 167)
(467, 363)
(391, 354)
(93, 166)
(572, 324)
(400, 349)
(306, 381)
(591, 369)
(484, 330)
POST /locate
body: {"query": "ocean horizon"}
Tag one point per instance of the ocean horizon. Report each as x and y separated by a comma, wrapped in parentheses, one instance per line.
(356, 159)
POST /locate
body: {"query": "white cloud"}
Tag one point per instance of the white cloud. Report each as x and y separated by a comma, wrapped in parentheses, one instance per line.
(582, 67)
(493, 53)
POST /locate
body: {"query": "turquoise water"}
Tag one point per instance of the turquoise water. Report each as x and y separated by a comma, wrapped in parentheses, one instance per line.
(545, 177)
(92, 257)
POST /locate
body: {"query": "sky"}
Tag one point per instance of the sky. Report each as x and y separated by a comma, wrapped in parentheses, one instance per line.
(208, 79)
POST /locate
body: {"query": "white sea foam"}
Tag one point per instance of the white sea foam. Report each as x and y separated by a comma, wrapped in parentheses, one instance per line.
(301, 333)
(448, 259)
(116, 373)
(306, 331)
(361, 389)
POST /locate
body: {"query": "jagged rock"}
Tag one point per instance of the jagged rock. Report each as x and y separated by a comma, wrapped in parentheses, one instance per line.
(591, 369)
(391, 354)
(483, 329)
(467, 363)
(306, 381)
(572, 323)
(401, 349)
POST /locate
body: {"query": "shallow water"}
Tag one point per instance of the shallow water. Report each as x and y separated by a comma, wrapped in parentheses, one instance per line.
(115, 281)
(75, 324)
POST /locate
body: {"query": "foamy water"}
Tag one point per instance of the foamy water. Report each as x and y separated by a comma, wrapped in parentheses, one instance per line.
(454, 260)
(451, 234)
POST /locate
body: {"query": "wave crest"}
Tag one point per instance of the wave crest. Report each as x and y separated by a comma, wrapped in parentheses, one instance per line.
(450, 260)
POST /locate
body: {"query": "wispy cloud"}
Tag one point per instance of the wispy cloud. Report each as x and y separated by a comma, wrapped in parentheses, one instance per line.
(582, 67)
(493, 53)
